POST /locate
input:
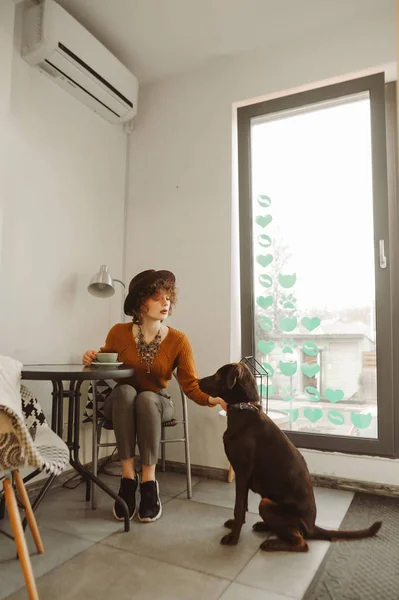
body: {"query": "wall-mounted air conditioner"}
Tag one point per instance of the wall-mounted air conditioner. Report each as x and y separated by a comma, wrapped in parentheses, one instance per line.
(61, 48)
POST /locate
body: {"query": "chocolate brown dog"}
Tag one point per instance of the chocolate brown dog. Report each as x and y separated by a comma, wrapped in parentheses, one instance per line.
(266, 462)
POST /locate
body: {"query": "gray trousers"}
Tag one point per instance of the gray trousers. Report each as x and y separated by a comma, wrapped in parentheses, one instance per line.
(138, 417)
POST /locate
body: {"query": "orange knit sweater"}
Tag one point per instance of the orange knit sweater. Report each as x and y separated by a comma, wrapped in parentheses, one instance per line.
(175, 352)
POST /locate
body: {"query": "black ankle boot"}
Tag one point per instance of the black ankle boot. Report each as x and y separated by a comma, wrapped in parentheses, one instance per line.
(150, 504)
(127, 492)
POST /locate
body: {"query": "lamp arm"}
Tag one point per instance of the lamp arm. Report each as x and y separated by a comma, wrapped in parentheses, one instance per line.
(123, 298)
(119, 281)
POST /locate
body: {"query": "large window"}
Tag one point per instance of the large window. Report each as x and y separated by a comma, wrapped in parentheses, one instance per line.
(314, 259)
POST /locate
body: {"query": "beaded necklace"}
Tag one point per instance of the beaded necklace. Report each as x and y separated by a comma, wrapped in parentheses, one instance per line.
(147, 352)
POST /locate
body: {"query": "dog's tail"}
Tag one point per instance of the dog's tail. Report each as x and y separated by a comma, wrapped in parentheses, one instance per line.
(330, 535)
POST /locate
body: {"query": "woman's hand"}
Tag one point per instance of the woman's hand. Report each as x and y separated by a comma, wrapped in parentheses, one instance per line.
(217, 400)
(88, 357)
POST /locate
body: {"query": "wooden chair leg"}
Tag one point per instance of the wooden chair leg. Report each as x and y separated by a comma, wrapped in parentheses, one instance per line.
(230, 475)
(22, 548)
(29, 512)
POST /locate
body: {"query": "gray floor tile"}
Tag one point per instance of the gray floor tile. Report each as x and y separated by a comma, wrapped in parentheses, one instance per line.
(66, 510)
(188, 534)
(286, 573)
(172, 484)
(332, 506)
(221, 493)
(103, 572)
(58, 548)
(237, 591)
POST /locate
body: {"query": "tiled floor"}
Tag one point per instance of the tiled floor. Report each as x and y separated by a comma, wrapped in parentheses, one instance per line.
(88, 556)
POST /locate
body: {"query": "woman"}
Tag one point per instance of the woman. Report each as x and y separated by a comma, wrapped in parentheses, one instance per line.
(139, 405)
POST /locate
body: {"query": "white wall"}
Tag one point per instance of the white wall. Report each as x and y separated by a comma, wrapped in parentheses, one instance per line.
(62, 175)
(180, 206)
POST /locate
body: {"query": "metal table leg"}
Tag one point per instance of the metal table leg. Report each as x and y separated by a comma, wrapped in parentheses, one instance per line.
(94, 444)
(54, 409)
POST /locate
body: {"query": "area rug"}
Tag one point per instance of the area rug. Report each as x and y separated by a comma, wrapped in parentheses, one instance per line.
(362, 569)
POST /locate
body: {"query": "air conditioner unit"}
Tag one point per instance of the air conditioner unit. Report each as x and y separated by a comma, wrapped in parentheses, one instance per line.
(61, 48)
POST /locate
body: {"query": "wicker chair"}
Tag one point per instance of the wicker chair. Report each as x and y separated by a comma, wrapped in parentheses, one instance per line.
(17, 450)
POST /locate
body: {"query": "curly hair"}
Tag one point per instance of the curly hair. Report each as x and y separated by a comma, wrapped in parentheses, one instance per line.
(146, 292)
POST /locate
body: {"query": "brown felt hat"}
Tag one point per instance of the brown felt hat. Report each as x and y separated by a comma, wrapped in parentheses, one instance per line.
(142, 280)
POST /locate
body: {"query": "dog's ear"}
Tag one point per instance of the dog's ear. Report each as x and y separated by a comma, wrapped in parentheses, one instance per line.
(234, 373)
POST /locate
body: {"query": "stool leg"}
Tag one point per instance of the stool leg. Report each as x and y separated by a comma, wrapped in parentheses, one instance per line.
(88, 490)
(20, 540)
(29, 512)
(187, 448)
(163, 457)
(230, 475)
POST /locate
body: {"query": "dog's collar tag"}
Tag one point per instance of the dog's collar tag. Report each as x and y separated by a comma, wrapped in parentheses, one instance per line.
(244, 406)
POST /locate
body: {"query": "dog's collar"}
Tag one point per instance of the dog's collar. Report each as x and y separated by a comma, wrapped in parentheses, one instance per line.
(244, 406)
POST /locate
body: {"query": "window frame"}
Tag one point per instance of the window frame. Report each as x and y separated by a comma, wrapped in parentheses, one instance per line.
(383, 137)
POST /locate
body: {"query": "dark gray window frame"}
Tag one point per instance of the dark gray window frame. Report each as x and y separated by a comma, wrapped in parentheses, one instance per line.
(383, 117)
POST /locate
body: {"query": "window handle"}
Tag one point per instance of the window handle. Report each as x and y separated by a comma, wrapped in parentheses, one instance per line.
(383, 258)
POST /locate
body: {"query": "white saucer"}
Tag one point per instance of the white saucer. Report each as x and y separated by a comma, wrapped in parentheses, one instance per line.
(97, 363)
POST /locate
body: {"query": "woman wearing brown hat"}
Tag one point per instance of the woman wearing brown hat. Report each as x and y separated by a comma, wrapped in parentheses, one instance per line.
(137, 407)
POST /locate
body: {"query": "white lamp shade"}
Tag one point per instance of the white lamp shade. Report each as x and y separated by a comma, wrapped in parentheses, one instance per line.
(102, 284)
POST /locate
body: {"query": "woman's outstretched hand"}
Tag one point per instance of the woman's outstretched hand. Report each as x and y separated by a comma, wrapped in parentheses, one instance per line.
(217, 400)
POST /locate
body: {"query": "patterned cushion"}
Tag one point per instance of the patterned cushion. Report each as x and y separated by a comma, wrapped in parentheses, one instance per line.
(103, 391)
(32, 411)
(10, 450)
(18, 450)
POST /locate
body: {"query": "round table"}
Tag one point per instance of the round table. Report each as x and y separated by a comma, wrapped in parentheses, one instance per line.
(75, 375)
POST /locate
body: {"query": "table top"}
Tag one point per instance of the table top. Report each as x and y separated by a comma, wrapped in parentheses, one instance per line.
(75, 372)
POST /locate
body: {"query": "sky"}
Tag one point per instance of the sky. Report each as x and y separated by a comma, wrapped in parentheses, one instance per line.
(316, 168)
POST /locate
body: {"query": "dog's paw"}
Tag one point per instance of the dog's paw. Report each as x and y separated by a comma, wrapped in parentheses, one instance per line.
(266, 546)
(260, 526)
(276, 545)
(229, 523)
(229, 540)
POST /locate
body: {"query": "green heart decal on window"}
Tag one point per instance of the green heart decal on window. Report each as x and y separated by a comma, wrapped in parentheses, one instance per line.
(264, 259)
(287, 281)
(335, 417)
(264, 301)
(310, 370)
(312, 393)
(333, 395)
(265, 240)
(262, 389)
(361, 421)
(266, 347)
(264, 201)
(266, 281)
(310, 348)
(313, 414)
(263, 221)
(288, 323)
(265, 323)
(310, 324)
(288, 368)
(288, 398)
(293, 414)
(267, 369)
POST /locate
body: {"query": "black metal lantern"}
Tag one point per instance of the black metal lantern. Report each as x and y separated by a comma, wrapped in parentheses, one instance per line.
(261, 378)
